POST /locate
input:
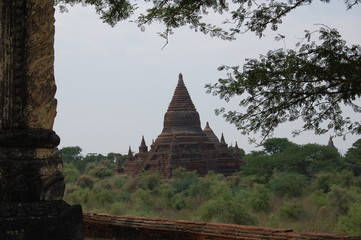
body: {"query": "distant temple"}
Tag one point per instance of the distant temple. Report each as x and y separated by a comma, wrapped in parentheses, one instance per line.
(330, 143)
(183, 143)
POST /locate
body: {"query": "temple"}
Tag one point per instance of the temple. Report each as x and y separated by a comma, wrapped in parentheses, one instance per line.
(183, 143)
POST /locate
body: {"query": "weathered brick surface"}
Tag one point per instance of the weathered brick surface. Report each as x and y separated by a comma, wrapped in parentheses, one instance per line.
(182, 143)
(102, 226)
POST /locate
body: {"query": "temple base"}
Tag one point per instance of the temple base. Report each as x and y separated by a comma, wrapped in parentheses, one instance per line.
(45, 220)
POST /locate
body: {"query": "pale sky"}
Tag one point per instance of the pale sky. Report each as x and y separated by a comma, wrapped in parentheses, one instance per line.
(115, 84)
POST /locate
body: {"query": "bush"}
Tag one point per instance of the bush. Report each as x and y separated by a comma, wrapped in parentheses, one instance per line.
(319, 198)
(184, 180)
(325, 180)
(85, 181)
(104, 197)
(119, 181)
(118, 208)
(149, 180)
(71, 174)
(80, 196)
(81, 165)
(180, 203)
(259, 198)
(232, 211)
(292, 210)
(100, 172)
(287, 184)
(123, 197)
(340, 199)
(351, 223)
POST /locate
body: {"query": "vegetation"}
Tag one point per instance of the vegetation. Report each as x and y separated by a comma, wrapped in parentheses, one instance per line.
(308, 188)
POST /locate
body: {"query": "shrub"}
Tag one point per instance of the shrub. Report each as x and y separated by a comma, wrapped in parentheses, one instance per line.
(71, 174)
(117, 208)
(104, 197)
(319, 198)
(340, 199)
(351, 223)
(80, 196)
(123, 197)
(104, 184)
(292, 210)
(325, 180)
(184, 180)
(85, 181)
(149, 180)
(100, 172)
(259, 198)
(201, 189)
(81, 165)
(231, 211)
(119, 181)
(287, 183)
(180, 204)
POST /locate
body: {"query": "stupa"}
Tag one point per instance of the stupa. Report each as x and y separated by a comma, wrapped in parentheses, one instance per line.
(183, 143)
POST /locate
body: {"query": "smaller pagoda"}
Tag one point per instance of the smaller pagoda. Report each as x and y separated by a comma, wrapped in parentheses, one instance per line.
(183, 143)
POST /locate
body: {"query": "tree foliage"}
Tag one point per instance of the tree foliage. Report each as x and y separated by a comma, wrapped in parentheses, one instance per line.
(353, 157)
(276, 145)
(312, 84)
(70, 154)
(281, 155)
(351, 224)
(239, 15)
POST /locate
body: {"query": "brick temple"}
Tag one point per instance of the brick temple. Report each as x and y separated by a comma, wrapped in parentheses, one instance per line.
(183, 143)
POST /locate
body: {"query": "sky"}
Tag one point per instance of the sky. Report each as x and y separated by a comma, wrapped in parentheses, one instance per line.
(114, 84)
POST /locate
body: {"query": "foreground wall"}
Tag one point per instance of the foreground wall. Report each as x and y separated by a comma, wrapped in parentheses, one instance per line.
(101, 226)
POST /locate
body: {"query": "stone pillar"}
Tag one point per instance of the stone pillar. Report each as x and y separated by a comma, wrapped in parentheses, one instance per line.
(31, 179)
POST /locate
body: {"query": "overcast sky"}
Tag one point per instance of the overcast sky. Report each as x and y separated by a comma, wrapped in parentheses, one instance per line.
(115, 84)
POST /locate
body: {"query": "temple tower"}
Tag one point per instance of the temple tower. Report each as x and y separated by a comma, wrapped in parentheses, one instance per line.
(211, 135)
(330, 143)
(182, 142)
(31, 179)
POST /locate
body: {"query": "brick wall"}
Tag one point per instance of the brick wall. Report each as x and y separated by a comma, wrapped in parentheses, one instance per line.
(102, 226)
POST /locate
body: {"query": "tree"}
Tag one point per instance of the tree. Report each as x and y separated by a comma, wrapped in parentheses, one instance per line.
(287, 183)
(353, 157)
(351, 223)
(311, 83)
(71, 154)
(276, 145)
(311, 159)
(307, 160)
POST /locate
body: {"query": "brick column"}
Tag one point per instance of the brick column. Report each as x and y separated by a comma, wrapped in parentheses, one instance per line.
(31, 179)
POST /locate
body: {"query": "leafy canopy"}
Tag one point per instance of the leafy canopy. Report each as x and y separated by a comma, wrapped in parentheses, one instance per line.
(285, 85)
(239, 15)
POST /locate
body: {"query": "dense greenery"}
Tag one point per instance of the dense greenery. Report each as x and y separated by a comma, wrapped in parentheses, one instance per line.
(285, 185)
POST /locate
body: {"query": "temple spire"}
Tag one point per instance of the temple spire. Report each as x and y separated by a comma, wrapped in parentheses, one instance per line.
(143, 147)
(223, 144)
(236, 152)
(210, 134)
(130, 154)
(181, 100)
(222, 139)
(330, 143)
